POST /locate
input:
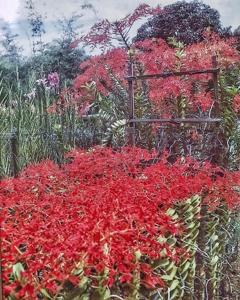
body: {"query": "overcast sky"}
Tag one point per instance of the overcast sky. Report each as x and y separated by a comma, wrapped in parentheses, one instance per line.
(11, 10)
(14, 11)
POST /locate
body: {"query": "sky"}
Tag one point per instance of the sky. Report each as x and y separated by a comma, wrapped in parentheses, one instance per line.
(14, 11)
(11, 10)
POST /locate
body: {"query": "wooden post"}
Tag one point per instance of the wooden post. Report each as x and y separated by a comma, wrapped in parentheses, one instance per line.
(131, 115)
(14, 153)
(215, 82)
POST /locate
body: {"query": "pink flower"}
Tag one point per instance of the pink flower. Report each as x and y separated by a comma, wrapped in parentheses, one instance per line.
(53, 79)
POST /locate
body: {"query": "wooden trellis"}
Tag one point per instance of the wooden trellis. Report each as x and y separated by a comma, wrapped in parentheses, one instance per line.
(132, 120)
(199, 288)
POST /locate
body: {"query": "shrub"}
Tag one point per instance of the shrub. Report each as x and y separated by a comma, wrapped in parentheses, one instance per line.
(97, 224)
(186, 21)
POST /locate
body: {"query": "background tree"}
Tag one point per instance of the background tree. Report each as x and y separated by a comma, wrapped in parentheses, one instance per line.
(184, 21)
(10, 58)
(236, 34)
(60, 55)
(9, 49)
(35, 20)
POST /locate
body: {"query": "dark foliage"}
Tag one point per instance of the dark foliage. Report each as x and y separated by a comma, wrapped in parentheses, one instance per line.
(58, 56)
(184, 21)
(236, 34)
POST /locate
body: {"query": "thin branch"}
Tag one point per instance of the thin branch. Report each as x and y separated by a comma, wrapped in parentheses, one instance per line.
(122, 36)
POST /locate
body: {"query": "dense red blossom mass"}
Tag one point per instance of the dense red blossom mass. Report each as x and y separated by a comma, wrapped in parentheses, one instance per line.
(156, 56)
(99, 210)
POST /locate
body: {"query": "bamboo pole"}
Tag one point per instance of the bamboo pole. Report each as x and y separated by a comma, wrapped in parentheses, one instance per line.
(14, 153)
(176, 120)
(131, 107)
(173, 73)
(215, 80)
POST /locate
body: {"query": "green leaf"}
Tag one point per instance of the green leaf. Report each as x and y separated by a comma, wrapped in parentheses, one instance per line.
(105, 249)
(171, 275)
(17, 270)
(162, 263)
(170, 212)
(174, 284)
(107, 294)
(77, 271)
(214, 260)
(166, 277)
(45, 294)
(171, 241)
(138, 255)
(186, 267)
(83, 282)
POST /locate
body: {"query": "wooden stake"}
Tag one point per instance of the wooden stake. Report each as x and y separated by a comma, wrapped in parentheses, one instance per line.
(14, 153)
(131, 127)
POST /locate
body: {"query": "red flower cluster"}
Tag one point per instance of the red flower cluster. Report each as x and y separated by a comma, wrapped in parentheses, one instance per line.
(97, 69)
(102, 210)
(156, 56)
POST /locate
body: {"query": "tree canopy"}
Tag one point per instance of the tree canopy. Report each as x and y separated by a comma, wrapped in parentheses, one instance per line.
(184, 21)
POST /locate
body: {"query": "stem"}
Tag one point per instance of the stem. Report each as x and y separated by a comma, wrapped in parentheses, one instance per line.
(122, 37)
